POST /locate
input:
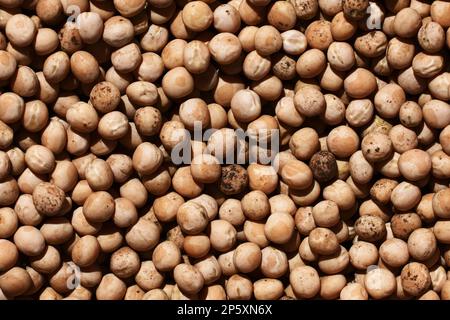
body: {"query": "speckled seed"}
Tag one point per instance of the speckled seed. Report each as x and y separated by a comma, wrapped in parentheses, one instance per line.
(48, 199)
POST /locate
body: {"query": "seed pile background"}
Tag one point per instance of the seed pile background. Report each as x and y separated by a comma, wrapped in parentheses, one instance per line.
(95, 95)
